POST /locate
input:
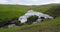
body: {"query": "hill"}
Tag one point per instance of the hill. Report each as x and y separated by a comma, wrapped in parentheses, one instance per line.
(11, 11)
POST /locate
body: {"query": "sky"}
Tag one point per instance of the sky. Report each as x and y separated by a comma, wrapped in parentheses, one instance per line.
(29, 2)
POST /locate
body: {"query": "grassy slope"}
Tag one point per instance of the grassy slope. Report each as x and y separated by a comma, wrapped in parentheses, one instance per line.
(16, 11)
(11, 11)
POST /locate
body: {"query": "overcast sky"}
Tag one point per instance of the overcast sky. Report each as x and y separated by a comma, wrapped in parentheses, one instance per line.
(28, 2)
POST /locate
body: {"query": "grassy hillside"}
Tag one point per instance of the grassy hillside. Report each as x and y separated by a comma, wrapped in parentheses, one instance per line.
(11, 11)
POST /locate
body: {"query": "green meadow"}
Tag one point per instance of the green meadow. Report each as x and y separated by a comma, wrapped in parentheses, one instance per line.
(15, 11)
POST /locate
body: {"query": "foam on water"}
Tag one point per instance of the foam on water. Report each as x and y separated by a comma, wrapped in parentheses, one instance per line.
(23, 18)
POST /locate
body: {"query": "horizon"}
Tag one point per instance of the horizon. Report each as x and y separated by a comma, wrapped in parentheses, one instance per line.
(29, 2)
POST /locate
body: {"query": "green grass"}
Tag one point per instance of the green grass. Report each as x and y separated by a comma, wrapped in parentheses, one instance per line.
(11, 11)
(45, 26)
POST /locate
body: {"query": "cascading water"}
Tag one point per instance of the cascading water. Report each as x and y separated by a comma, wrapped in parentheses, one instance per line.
(23, 18)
